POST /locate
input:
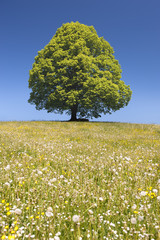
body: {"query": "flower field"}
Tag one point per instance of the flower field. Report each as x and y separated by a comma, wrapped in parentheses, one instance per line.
(79, 181)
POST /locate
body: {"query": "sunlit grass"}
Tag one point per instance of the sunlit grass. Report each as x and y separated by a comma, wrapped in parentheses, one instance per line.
(64, 180)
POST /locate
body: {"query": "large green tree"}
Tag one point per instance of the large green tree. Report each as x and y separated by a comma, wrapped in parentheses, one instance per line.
(77, 73)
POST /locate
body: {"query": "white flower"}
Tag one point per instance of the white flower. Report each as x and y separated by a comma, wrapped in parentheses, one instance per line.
(100, 199)
(67, 194)
(158, 181)
(58, 233)
(56, 238)
(53, 180)
(112, 224)
(7, 167)
(140, 218)
(143, 193)
(133, 220)
(49, 214)
(49, 209)
(76, 218)
(134, 206)
(158, 198)
(18, 211)
(90, 211)
(155, 190)
(7, 184)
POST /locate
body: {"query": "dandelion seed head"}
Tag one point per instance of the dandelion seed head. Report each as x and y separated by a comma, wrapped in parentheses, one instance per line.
(76, 218)
(143, 193)
(49, 214)
(18, 211)
(133, 220)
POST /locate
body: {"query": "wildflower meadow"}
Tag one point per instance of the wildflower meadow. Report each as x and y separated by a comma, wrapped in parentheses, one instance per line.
(79, 181)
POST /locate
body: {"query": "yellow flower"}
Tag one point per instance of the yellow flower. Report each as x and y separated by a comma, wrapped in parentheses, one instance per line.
(7, 208)
(12, 231)
(8, 213)
(136, 212)
(3, 201)
(27, 208)
(31, 217)
(42, 213)
(7, 204)
(6, 227)
(3, 237)
(10, 237)
(16, 228)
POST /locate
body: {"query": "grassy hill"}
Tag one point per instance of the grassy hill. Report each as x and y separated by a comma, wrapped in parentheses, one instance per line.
(65, 180)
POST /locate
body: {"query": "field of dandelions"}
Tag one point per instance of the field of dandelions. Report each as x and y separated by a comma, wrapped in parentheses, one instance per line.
(79, 181)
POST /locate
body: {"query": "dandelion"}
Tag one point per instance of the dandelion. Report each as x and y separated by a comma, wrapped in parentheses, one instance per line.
(76, 218)
(135, 212)
(16, 228)
(10, 237)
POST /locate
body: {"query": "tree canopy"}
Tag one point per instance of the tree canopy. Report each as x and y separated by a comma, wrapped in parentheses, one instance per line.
(77, 73)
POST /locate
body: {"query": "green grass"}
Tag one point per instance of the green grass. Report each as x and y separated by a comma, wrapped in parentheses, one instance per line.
(65, 180)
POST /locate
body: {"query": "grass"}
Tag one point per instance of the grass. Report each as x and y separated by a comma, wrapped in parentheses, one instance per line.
(65, 180)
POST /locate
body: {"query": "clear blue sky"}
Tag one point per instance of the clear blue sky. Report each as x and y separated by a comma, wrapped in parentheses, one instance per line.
(131, 27)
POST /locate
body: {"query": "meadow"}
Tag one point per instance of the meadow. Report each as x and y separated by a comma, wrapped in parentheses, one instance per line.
(79, 181)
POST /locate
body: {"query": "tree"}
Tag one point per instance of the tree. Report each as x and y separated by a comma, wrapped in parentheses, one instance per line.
(77, 73)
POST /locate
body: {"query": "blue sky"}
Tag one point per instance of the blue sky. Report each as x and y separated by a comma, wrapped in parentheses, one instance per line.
(131, 28)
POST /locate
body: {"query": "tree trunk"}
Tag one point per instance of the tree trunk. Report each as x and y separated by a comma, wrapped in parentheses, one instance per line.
(74, 113)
